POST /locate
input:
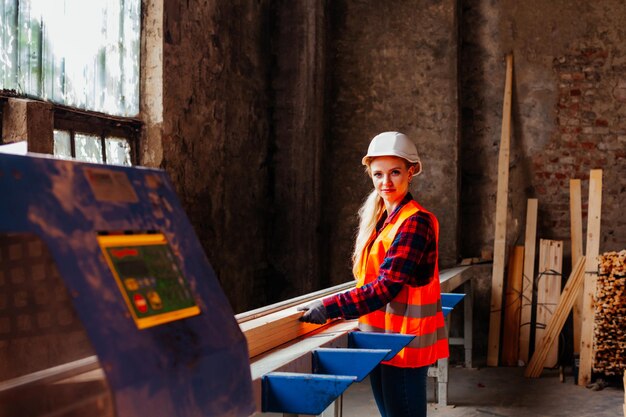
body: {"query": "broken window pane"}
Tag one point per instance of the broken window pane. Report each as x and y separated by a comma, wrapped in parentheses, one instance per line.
(88, 148)
(117, 151)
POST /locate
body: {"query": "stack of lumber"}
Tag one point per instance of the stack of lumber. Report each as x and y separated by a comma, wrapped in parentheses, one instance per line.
(548, 292)
(610, 314)
(570, 293)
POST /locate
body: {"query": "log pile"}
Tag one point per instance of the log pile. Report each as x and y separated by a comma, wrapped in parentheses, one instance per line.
(610, 314)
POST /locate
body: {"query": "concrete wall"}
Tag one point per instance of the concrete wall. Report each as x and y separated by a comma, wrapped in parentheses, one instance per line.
(215, 134)
(393, 66)
(298, 94)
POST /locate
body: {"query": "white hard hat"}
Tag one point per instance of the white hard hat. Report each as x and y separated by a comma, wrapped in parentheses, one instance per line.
(393, 144)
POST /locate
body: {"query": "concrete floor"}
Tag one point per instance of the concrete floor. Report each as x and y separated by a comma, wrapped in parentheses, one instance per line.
(503, 392)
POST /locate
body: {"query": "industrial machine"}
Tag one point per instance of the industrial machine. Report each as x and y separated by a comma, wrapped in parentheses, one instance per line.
(109, 307)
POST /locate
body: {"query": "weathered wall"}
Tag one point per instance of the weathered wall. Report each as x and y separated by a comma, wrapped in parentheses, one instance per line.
(297, 151)
(568, 117)
(263, 128)
(393, 66)
(568, 114)
(216, 133)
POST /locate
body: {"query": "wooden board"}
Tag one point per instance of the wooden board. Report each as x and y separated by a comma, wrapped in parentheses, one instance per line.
(499, 243)
(512, 307)
(576, 230)
(273, 330)
(528, 278)
(573, 286)
(591, 267)
(548, 292)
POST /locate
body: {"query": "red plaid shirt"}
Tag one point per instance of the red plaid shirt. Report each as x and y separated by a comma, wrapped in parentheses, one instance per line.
(410, 260)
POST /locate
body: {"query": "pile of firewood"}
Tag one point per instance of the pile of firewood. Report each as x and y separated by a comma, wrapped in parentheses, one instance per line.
(610, 314)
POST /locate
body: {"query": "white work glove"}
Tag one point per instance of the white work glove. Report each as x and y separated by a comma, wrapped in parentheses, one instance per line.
(315, 312)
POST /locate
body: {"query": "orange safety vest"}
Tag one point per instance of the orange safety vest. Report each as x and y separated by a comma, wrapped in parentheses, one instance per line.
(415, 310)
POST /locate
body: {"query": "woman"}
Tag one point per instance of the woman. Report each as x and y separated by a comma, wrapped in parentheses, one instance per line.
(397, 274)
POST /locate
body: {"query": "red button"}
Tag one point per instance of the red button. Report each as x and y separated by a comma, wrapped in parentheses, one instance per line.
(140, 303)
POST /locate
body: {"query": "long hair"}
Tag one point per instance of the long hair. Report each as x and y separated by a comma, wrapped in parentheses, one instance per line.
(369, 213)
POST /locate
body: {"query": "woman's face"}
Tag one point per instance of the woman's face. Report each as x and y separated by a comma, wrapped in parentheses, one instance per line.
(390, 176)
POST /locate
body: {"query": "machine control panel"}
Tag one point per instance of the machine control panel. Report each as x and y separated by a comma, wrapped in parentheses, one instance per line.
(149, 278)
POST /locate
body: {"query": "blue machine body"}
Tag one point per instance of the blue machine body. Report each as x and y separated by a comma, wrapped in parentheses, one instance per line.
(349, 361)
(449, 300)
(369, 340)
(196, 366)
(294, 393)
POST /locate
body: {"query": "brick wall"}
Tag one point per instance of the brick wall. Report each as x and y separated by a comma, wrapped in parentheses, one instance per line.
(590, 133)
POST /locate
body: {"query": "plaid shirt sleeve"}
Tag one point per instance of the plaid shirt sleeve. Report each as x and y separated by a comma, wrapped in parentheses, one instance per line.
(410, 260)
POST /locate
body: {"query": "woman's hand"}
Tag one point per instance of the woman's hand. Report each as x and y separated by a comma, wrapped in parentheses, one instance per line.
(315, 312)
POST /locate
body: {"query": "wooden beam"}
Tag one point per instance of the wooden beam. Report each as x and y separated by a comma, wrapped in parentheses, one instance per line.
(268, 332)
(512, 307)
(499, 243)
(591, 255)
(572, 287)
(548, 292)
(576, 231)
(528, 278)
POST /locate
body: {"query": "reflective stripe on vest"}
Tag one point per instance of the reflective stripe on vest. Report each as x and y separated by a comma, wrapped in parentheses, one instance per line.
(415, 310)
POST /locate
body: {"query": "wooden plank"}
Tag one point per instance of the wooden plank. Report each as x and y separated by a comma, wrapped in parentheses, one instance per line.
(573, 286)
(268, 332)
(591, 267)
(576, 231)
(499, 243)
(452, 278)
(528, 278)
(548, 291)
(512, 307)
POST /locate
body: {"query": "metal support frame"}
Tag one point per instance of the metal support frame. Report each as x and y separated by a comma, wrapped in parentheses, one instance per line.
(441, 370)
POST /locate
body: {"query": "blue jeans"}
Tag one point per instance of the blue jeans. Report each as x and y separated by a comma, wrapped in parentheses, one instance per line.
(400, 392)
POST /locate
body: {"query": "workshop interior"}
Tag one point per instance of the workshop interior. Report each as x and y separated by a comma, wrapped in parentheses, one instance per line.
(179, 179)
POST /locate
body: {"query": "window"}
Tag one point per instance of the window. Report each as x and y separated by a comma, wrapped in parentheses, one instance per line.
(78, 53)
(95, 138)
(90, 148)
(83, 56)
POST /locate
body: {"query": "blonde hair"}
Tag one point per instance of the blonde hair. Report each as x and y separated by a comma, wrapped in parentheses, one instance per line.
(369, 214)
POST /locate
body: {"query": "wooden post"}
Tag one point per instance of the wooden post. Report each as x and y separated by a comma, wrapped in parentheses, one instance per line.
(548, 292)
(512, 307)
(576, 230)
(528, 278)
(591, 268)
(499, 242)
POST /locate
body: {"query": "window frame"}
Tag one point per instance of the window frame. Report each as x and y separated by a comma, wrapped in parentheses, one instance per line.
(75, 121)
